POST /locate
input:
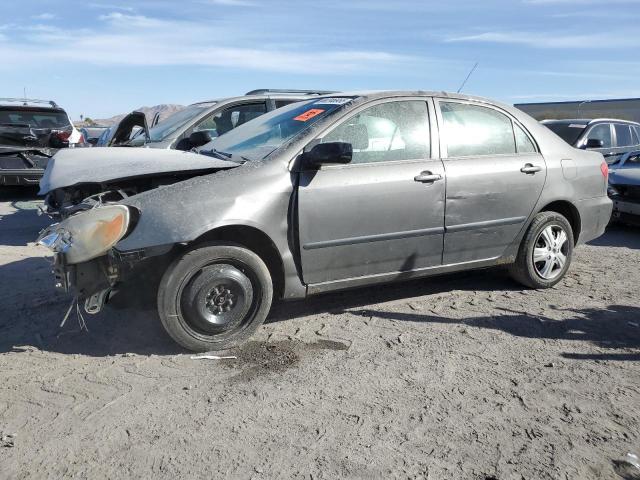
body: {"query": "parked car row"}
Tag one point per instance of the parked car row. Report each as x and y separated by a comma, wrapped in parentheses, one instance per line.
(25, 125)
(328, 192)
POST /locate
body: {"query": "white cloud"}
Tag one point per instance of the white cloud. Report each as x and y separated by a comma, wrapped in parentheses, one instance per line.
(578, 2)
(552, 40)
(123, 39)
(232, 3)
(45, 16)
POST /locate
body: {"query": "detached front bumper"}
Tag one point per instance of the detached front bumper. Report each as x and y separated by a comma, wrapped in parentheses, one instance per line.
(97, 280)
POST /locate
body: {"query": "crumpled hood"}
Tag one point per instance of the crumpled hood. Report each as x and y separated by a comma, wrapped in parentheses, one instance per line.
(76, 166)
(625, 176)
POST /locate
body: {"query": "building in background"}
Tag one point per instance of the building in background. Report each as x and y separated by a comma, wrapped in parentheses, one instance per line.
(625, 109)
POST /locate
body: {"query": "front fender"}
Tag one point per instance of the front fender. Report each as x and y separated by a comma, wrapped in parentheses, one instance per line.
(256, 194)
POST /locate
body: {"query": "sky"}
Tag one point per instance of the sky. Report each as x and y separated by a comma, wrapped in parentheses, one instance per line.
(100, 58)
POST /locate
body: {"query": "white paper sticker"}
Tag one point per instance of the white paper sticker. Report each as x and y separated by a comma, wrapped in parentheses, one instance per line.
(333, 101)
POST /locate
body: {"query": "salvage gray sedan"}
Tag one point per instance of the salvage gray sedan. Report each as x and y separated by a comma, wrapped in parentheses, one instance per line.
(331, 193)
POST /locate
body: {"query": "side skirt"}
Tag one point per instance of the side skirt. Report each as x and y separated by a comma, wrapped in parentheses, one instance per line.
(347, 283)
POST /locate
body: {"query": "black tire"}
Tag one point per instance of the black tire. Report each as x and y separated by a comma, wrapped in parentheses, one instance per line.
(214, 297)
(531, 273)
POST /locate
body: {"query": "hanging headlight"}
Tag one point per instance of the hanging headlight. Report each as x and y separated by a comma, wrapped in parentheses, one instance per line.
(87, 235)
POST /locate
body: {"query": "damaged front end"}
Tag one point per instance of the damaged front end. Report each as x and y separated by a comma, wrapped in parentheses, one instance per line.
(81, 179)
(84, 259)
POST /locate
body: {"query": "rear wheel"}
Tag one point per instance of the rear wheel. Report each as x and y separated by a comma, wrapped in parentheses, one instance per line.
(214, 297)
(545, 252)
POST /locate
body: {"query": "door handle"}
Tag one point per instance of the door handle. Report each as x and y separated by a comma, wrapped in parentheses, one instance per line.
(427, 177)
(530, 169)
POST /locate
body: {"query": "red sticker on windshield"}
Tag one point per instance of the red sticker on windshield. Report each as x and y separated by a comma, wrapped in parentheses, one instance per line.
(309, 114)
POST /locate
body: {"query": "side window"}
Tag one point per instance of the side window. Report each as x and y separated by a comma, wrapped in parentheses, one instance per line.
(601, 132)
(386, 132)
(637, 135)
(623, 135)
(471, 130)
(523, 142)
(230, 118)
(282, 103)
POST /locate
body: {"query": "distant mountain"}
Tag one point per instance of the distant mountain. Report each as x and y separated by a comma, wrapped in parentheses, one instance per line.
(165, 110)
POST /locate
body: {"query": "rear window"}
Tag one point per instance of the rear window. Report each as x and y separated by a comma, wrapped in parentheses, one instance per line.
(569, 132)
(35, 118)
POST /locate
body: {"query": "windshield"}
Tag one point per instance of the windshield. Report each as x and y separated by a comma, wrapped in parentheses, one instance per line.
(258, 138)
(569, 132)
(35, 118)
(177, 120)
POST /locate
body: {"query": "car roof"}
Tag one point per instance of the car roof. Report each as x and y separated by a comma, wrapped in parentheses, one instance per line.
(266, 93)
(371, 94)
(28, 102)
(375, 94)
(590, 121)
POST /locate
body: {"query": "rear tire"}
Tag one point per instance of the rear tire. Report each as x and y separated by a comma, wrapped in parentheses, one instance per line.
(214, 297)
(545, 253)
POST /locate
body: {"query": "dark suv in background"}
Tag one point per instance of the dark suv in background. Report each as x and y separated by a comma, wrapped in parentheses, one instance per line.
(613, 138)
(31, 131)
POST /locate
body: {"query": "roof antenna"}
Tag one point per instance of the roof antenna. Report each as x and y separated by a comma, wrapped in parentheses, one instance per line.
(468, 76)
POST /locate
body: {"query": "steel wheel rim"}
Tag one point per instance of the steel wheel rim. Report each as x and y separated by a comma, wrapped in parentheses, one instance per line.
(219, 299)
(550, 252)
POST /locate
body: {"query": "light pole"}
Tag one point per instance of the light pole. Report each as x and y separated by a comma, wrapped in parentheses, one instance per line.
(580, 105)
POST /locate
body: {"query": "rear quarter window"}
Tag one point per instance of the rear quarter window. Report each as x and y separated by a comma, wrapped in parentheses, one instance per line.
(523, 142)
(623, 135)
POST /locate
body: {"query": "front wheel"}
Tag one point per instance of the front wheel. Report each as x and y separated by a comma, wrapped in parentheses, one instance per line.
(545, 252)
(214, 297)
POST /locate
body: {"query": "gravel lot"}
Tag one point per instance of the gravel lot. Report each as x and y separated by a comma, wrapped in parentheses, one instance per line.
(464, 376)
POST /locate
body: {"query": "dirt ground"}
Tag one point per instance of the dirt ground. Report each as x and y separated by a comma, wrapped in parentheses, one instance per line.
(465, 376)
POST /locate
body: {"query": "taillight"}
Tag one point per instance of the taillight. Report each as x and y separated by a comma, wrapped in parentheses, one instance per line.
(63, 135)
(604, 168)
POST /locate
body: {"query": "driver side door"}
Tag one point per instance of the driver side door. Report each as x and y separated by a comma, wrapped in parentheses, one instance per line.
(378, 214)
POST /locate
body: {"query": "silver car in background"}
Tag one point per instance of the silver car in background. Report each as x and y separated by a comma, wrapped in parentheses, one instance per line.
(341, 191)
(200, 122)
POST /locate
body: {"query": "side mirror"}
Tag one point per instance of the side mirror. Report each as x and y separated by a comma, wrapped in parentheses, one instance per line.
(197, 139)
(332, 152)
(594, 143)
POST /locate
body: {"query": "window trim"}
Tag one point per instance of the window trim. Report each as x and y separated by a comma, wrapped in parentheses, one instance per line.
(365, 106)
(444, 153)
(585, 135)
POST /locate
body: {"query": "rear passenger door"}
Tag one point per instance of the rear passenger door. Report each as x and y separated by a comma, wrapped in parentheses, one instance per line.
(495, 176)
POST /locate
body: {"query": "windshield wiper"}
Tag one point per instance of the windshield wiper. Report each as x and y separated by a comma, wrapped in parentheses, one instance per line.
(217, 154)
(231, 157)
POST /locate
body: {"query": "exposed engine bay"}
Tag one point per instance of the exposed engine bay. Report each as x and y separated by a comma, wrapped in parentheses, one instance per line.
(63, 202)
